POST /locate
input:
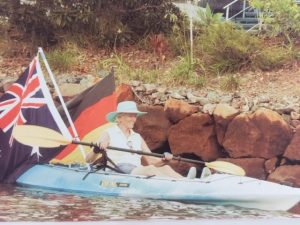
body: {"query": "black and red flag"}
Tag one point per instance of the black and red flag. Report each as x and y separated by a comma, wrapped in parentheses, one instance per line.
(27, 101)
(88, 111)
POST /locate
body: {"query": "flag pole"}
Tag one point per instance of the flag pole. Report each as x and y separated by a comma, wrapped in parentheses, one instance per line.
(41, 52)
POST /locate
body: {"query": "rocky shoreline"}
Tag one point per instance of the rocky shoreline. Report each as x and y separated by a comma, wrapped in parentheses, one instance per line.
(260, 134)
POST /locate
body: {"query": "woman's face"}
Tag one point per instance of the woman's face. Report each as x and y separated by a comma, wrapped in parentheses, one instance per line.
(127, 119)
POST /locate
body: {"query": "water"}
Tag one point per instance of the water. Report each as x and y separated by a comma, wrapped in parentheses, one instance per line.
(24, 204)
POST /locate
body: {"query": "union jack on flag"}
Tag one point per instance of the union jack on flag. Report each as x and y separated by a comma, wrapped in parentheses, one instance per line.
(27, 101)
(21, 96)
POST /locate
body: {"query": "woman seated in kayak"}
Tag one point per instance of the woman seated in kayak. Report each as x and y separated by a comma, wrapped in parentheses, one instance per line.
(121, 135)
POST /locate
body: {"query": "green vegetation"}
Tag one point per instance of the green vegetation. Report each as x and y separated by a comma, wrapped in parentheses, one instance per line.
(63, 59)
(229, 83)
(279, 17)
(220, 48)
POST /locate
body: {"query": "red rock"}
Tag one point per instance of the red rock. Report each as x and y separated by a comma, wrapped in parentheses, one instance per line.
(271, 164)
(292, 152)
(263, 134)
(254, 167)
(223, 115)
(176, 110)
(195, 134)
(124, 93)
(288, 175)
(153, 126)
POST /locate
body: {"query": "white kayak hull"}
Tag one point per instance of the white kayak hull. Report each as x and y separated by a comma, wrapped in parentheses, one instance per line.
(217, 188)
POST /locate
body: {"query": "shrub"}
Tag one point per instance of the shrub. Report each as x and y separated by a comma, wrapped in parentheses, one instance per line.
(102, 20)
(226, 49)
(271, 57)
(62, 59)
(279, 17)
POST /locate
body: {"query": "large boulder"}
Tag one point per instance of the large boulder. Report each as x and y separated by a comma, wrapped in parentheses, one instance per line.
(176, 110)
(292, 152)
(223, 115)
(254, 167)
(153, 126)
(124, 93)
(195, 134)
(263, 134)
(287, 175)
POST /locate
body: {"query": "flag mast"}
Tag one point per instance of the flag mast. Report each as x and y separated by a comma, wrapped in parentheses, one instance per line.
(41, 52)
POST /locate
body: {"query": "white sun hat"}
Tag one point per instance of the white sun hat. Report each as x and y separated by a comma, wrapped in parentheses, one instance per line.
(124, 107)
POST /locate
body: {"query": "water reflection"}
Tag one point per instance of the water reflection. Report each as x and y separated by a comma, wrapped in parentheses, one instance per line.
(24, 204)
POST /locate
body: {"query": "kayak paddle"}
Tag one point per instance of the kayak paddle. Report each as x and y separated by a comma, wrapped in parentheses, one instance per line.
(44, 137)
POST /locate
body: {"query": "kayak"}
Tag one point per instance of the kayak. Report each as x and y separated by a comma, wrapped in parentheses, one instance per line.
(222, 189)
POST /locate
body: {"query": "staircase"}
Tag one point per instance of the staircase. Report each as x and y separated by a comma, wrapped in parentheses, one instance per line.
(246, 17)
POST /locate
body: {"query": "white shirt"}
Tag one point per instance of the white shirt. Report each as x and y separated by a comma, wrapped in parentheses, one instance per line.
(118, 139)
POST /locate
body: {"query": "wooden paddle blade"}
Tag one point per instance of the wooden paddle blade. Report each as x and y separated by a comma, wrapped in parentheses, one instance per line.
(226, 167)
(39, 136)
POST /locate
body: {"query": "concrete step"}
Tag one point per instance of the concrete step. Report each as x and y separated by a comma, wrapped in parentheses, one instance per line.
(251, 14)
(247, 26)
(247, 20)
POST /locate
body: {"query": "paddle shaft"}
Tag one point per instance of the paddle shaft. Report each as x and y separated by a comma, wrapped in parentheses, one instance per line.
(178, 158)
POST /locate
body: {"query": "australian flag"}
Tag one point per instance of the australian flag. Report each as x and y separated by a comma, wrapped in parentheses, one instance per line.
(27, 101)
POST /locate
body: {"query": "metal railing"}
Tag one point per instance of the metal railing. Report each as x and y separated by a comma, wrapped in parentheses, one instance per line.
(228, 6)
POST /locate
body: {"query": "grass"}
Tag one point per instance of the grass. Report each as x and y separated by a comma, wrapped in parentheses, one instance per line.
(229, 83)
(64, 58)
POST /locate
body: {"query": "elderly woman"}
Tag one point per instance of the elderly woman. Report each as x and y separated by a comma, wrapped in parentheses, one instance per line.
(121, 135)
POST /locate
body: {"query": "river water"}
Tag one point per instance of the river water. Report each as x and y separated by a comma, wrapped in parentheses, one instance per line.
(24, 204)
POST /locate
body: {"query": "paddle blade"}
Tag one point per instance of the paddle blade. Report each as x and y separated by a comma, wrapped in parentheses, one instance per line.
(226, 167)
(39, 136)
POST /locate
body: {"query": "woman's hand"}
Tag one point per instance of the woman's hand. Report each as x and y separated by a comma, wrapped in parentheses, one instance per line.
(100, 147)
(167, 156)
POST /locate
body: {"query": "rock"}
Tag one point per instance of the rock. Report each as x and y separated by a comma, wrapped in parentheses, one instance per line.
(203, 101)
(295, 209)
(177, 110)
(254, 167)
(292, 152)
(150, 88)
(135, 83)
(295, 123)
(69, 90)
(176, 95)
(153, 126)
(213, 97)
(295, 116)
(140, 89)
(162, 90)
(271, 164)
(226, 99)
(223, 115)
(195, 134)
(287, 175)
(124, 93)
(209, 108)
(192, 98)
(263, 134)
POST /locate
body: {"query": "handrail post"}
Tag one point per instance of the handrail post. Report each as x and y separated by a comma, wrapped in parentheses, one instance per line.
(244, 7)
(227, 13)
